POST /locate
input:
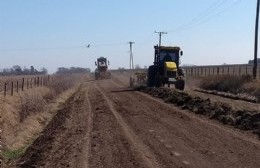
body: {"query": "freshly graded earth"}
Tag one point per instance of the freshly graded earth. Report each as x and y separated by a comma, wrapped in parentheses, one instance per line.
(106, 124)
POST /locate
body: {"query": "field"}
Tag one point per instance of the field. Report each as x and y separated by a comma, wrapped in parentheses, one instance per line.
(104, 123)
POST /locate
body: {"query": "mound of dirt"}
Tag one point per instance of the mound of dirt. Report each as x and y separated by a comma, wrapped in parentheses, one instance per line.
(242, 119)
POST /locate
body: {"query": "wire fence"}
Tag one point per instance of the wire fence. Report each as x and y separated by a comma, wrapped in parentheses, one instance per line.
(9, 87)
(238, 70)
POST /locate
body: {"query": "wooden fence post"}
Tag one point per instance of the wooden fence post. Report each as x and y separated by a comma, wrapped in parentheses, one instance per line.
(38, 81)
(12, 88)
(5, 89)
(27, 83)
(17, 86)
(22, 84)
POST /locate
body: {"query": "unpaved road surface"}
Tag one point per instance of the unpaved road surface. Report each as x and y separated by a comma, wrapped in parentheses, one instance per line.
(104, 124)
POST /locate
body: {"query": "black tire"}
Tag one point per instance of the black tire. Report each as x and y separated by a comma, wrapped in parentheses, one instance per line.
(180, 84)
(151, 76)
(158, 80)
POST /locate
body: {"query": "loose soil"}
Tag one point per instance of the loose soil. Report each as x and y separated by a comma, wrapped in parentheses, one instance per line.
(106, 124)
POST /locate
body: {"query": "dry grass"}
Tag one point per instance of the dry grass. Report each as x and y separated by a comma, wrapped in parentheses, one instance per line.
(234, 84)
(24, 115)
(225, 83)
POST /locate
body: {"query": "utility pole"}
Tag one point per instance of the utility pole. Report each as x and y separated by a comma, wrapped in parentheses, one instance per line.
(256, 40)
(160, 36)
(131, 55)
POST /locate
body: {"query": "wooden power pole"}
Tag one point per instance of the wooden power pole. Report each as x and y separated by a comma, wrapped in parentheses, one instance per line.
(160, 36)
(256, 40)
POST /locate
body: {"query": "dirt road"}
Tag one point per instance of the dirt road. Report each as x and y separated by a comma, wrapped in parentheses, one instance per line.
(105, 124)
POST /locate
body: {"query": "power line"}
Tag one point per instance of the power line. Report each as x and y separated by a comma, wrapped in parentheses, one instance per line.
(203, 18)
(202, 15)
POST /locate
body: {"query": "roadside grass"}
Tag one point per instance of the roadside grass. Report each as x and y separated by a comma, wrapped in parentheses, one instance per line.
(233, 84)
(24, 115)
(13, 154)
(225, 83)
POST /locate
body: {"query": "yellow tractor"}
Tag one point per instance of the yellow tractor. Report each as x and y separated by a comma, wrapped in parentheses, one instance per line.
(166, 68)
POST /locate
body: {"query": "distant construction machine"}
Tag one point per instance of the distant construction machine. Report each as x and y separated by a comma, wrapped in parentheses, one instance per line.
(166, 68)
(101, 71)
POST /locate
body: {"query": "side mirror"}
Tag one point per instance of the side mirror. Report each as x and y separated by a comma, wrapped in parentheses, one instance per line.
(96, 63)
(181, 53)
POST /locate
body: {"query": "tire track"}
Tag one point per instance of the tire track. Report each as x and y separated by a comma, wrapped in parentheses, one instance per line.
(174, 132)
(143, 151)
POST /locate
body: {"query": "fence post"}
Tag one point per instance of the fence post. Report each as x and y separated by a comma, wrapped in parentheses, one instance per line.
(12, 88)
(17, 86)
(246, 70)
(27, 83)
(228, 70)
(38, 81)
(22, 84)
(5, 89)
(239, 70)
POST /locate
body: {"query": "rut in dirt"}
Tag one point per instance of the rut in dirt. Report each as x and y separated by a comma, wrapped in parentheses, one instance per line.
(60, 144)
(104, 124)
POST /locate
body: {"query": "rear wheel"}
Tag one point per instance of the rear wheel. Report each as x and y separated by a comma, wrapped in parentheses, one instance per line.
(158, 80)
(151, 76)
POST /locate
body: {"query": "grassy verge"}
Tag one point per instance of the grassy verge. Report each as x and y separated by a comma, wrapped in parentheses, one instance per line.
(26, 114)
(13, 154)
(233, 84)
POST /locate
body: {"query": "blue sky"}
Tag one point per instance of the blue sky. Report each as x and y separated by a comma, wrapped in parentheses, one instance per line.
(54, 33)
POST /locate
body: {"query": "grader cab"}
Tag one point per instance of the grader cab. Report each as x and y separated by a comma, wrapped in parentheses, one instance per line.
(166, 68)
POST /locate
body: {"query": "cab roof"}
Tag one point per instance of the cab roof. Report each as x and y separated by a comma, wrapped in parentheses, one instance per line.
(168, 47)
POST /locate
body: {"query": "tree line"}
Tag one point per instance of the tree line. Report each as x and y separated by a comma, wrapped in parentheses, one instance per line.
(18, 70)
(63, 70)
